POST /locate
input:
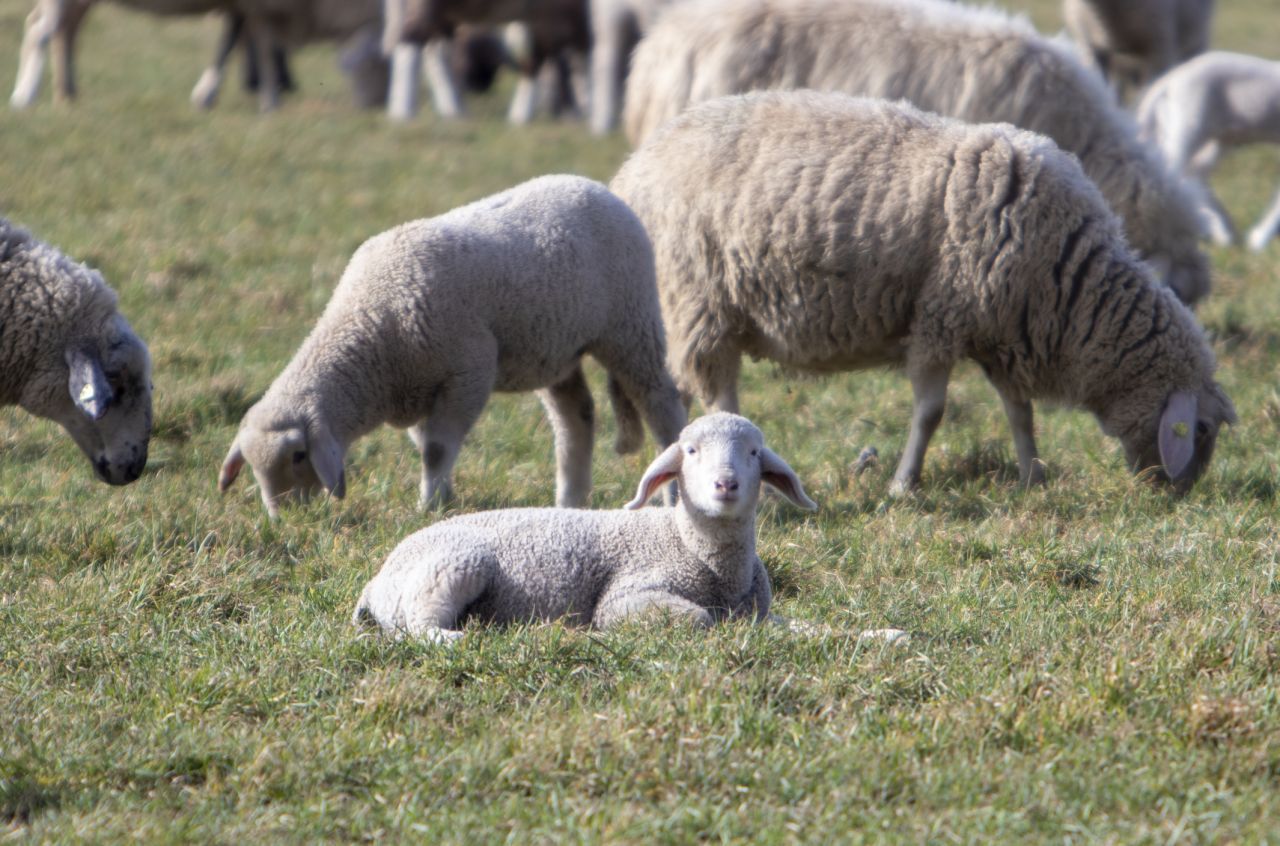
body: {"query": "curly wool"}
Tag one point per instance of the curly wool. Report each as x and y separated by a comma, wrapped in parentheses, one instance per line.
(977, 65)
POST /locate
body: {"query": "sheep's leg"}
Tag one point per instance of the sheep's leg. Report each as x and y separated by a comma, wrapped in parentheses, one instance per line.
(406, 67)
(524, 103)
(572, 414)
(42, 22)
(264, 42)
(622, 603)
(439, 438)
(444, 90)
(1260, 234)
(1022, 423)
(432, 611)
(929, 385)
(607, 58)
(205, 94)
(64, 51)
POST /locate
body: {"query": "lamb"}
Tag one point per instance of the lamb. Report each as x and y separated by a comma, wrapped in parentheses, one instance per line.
(696, 561)
(977, 65)
(67, 354)
(1134, 41)
(829, 233)
(616, 26)
(505, 294)
(417, 33)
(1212, 102)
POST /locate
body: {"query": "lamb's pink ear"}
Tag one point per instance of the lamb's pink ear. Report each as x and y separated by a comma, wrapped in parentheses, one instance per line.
(231, 466)
(778, 474)
(327, 456)
(1177, 436)
(663, 469)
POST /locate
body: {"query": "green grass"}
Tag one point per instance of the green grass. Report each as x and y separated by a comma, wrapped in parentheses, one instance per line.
(1092, 661)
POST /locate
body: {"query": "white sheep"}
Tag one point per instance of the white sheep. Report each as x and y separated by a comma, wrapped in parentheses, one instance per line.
(1131, 42)
(616, 26)
(696, 561)
(506, 294)
(830, 233)
(67, 354)
(977, 65)
(1211, 103)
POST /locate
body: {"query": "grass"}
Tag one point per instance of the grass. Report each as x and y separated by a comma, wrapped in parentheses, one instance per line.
(1091, 662)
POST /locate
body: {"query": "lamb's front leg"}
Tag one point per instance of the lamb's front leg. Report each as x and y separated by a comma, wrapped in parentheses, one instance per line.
(929, 385)
(572, 412)
(1022, 424)
(1266, 228)
(623, 602)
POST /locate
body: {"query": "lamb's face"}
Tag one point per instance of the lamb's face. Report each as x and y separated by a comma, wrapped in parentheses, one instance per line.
(292, 460)
(106, 407)
(1175, 439)
(720, 461)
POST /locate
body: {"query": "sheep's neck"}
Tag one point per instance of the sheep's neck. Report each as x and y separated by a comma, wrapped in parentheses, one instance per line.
(350, 399)
(726, 546)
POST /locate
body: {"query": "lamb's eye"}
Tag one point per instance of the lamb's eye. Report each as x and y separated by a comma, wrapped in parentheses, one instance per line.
(755, 452)
(690, 450)
(299, 457)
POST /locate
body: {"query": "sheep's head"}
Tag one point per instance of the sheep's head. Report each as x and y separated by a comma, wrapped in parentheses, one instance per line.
(106, 407)
(292, 459)
(1174, 435)
(719, 462)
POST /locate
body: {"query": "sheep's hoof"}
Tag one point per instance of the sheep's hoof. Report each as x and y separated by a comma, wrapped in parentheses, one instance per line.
(1258, 241)
(1035, 477)
(902, 488)
(444, 637)
(889, 637)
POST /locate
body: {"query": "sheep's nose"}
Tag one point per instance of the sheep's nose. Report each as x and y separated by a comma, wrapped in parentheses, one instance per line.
(728, 485)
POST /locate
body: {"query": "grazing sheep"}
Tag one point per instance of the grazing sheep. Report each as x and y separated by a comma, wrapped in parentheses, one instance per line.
(504, 294)
(1216, 101)
(616, 26)
(67, 354)
(831, 233)
(977, 65)
(417, 34)
(1131, 42)
(696, 561)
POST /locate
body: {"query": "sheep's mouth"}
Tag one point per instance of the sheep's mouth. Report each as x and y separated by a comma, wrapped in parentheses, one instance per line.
(725, 496)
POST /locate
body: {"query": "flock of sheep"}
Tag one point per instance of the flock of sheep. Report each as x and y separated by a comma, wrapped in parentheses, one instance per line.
(827, 184)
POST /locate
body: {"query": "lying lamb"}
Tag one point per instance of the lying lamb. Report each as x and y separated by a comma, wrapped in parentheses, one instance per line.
(1134, 41)
(1215, 101)
(830, 233)
(504, 294)
(977, 65)
(696, 561)
(67, 354)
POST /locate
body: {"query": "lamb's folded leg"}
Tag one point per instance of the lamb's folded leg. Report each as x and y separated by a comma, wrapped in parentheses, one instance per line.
(621, 603)
(929, 385)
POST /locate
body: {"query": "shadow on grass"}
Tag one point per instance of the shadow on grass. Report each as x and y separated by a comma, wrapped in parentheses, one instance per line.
(222, 406)
(23, 797)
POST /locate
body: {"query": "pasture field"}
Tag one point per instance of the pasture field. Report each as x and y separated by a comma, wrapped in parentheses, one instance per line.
(1092, 661)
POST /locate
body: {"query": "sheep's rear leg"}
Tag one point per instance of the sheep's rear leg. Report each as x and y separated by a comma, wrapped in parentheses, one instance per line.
(406, 67)
(42, 22)
(444, 90)
(1266, 227)
(1022, 424)
(439, 437)
(622, 604)
(572, 413)
(64, 51)
(929, 385)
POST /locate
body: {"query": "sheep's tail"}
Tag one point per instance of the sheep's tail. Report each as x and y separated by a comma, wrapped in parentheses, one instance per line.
(630, 427)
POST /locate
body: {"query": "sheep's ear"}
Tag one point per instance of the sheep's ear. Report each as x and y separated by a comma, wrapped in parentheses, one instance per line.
(663, 469)
(1177, 436)
(778, 474)
(231, 466)
(88, 384)
(326, 456)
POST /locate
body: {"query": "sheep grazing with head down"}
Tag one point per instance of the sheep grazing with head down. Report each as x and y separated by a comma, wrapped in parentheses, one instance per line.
(830, 233)
(66, 353)
(696, 561)
(505, 294)
(977, 65)
(1210, 104)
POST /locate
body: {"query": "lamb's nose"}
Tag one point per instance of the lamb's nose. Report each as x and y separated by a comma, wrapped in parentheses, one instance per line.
(728, 485)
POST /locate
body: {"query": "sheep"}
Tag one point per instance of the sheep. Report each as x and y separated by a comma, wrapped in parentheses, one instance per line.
(67, 354)
(416, 35)
(696, 561)
(616, 26)
(271, 26)
(829, 233)
(1214, 101)
(977, 65)
(1134, 41)
(504, 294)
